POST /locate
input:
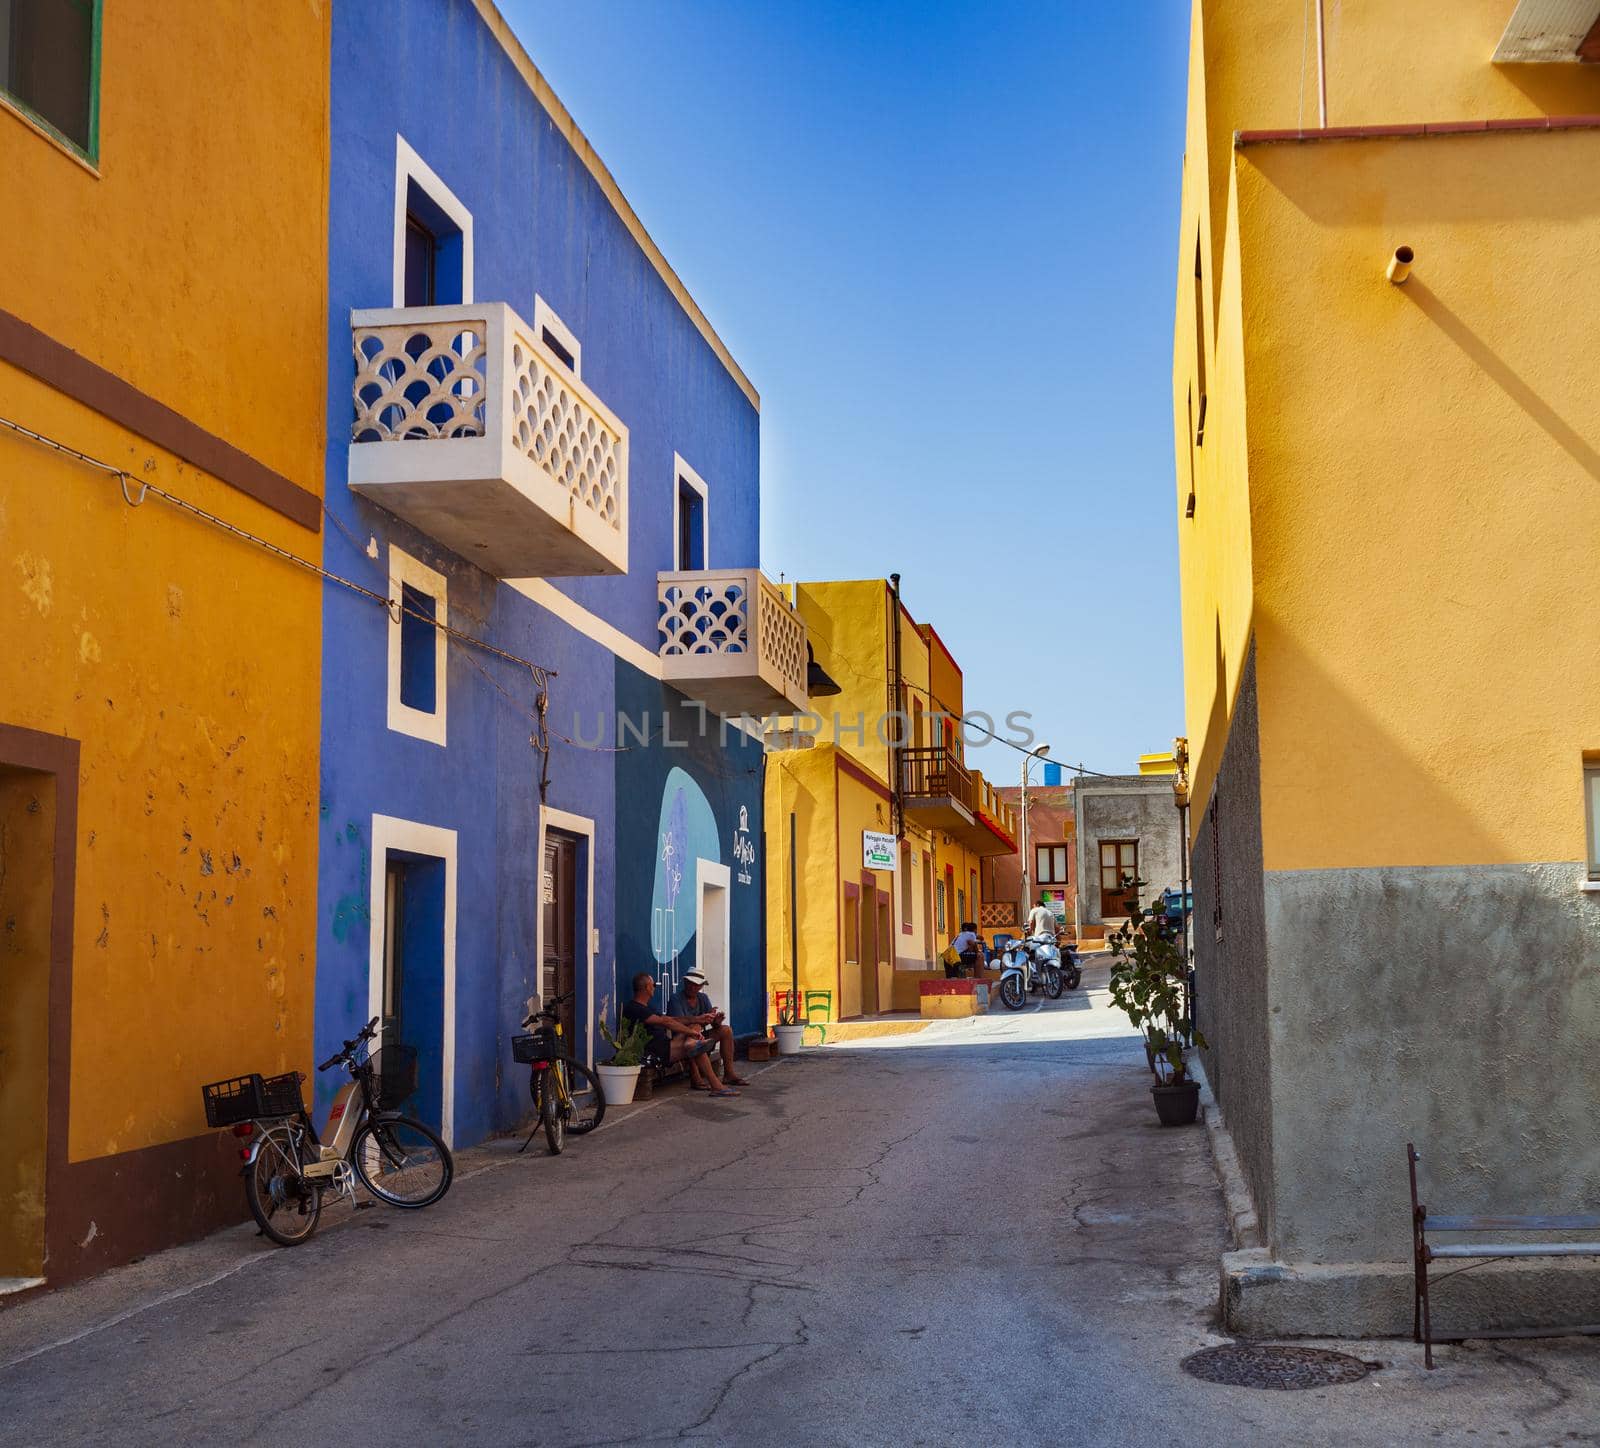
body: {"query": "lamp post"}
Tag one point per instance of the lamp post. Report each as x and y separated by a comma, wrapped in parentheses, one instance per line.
(1027, 764)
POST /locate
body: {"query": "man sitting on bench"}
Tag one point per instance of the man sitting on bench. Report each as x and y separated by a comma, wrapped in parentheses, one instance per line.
(694, 1007)
(672, 1039)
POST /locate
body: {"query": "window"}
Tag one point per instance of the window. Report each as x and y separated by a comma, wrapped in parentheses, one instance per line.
(852, 924)
(1216, 868)
(961, 906)
(883, 928)
(432, 236)
(416, 648)
(557, 336)
(938, 906)
(691, 529)
(907, 905)
(1050, 864)
(1591, 799)
(50, 67)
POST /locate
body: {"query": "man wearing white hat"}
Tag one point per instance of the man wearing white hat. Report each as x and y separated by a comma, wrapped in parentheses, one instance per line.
(694, 1007)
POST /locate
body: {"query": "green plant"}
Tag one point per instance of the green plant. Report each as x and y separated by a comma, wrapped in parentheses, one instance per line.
(789, 1008)
(1149, 984)
(629, 1044)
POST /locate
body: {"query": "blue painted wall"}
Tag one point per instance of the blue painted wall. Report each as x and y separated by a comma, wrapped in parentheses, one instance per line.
(430, 71)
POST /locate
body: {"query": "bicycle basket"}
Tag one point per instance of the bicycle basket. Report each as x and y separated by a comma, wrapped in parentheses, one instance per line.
(249, 1098)
(539, 1046)
(394, 1075)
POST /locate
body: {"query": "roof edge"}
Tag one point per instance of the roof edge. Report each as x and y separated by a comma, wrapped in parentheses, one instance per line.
(1427, 128)
(489, 13)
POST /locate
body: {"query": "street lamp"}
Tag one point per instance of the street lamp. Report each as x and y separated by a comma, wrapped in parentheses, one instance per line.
(1027, 764)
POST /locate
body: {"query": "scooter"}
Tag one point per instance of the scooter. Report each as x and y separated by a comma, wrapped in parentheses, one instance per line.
(1029, 965)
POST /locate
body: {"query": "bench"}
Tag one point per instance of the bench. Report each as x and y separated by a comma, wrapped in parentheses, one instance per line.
(1424, 1252)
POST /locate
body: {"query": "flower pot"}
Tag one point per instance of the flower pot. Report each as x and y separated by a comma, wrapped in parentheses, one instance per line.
(790, 1039)
(1177, 1105)
(618, 1083)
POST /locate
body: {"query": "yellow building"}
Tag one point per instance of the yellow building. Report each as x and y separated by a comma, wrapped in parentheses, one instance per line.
(878, 767)
(163, 169)
(1387, 451)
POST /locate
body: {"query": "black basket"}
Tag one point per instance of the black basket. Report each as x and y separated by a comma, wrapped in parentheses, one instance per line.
(251, 1098)
(540, 1046)
(394, 1075)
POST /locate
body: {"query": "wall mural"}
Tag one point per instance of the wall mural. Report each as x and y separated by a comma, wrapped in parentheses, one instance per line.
(687, 832)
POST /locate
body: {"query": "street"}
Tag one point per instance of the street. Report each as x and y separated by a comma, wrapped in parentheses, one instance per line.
(971, 1234)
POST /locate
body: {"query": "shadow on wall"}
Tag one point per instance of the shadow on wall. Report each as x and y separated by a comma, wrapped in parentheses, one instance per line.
(1433, 306)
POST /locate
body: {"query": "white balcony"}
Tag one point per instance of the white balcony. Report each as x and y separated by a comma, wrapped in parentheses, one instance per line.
(472, 430)
(728, 638)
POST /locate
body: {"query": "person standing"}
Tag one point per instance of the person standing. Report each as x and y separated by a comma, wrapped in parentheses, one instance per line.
(1042, 919)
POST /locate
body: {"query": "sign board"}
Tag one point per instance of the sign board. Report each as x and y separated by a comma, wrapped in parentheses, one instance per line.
(877, 850)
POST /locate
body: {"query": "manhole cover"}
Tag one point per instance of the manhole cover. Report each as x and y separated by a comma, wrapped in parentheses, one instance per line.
(1265, 1365)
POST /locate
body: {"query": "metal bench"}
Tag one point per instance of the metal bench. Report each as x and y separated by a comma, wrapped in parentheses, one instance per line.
(1424, 1252)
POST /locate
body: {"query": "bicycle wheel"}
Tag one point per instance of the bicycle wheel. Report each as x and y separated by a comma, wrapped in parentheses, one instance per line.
(586, 1098)
(1052, 982)
(285, 1205)
(551, 1111)
(402, 1162)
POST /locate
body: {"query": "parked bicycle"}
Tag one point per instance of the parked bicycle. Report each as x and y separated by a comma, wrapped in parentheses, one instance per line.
(567, 1095)
(288, 1167)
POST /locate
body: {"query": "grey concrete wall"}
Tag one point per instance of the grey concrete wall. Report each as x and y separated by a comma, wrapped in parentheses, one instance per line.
(1457, 1007)
(1134, 806)
(1231, 982)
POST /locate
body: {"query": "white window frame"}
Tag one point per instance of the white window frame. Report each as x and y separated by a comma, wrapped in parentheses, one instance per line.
(545, 318)
(409, 167)
(415, 838)
(682, 473)
(403, 719)
(1591, 820)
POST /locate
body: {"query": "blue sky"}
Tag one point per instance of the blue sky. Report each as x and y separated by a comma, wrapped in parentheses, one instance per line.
(941, 239)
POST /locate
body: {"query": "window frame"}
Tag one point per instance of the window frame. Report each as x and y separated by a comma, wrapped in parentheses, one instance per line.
(1049, 849)
(402, 718)
(1591, 820)
(411, 170)
(684, 476)
(546, 320)
(89, 155)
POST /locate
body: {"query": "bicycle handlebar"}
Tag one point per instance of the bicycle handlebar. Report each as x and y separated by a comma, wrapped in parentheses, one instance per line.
(366, 1033)
(548, 1010)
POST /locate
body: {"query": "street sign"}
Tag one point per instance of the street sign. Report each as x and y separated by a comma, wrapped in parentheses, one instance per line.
(877, 850)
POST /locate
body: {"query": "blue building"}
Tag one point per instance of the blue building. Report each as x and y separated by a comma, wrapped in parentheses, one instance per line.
(539, 448)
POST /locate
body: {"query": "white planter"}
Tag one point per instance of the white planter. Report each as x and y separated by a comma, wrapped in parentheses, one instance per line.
(618, 1083)
(790, 1039)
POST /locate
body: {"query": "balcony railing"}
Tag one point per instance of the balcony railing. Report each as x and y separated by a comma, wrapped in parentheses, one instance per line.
(994, 832)
(727, 637)
(935, 788)
(468, 427)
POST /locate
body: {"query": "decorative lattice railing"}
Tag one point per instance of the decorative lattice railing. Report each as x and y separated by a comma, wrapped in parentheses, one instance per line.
(448, 376)
(996, 914)
(727, 623)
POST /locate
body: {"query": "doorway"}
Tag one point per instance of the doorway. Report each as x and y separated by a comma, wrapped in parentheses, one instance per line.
(413, 1005)
(1119, 861)
(27, 903)
(558, 969)
(867, 955)
(711, 931)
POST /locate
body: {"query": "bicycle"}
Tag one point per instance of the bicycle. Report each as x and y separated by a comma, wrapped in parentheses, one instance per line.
(287, 1166)
(567, 1095)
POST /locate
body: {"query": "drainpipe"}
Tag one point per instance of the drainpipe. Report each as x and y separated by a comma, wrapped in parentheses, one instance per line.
(896, 804)
(1322, 69)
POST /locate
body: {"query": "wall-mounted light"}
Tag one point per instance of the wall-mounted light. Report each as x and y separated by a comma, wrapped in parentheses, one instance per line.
(1400, 265)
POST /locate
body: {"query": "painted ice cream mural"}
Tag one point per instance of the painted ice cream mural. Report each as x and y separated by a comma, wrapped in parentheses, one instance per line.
(687, 832)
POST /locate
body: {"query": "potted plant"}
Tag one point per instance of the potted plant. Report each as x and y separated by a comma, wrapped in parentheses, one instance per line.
(1149, 984)
(791, 1029)
(620, 1075)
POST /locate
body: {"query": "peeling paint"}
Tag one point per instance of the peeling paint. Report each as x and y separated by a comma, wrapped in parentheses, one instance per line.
(37, 585)
(88, 648)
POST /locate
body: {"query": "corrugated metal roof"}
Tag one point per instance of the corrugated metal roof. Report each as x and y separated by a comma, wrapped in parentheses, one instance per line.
(1542, 30)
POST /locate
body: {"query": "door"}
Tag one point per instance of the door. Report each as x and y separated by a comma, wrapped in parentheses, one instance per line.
(27, 901)
(413, 973)
(867, 955)
(1119, 861)
(927, 906)
(558, 974)
(711, 933)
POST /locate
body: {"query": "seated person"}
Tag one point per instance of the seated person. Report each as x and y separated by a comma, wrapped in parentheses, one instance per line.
(969, 947)
(671, 1039)
(693, 1005)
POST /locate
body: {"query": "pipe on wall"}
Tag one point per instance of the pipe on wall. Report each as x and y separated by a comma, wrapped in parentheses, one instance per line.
(1399, 267)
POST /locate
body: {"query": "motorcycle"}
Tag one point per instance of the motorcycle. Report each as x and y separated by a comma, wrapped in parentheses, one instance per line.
(1030, 965)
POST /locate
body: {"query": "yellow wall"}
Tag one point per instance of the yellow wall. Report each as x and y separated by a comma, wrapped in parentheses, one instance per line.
(801, 781)
(1396, 528)
(186, 661)
(847, 624)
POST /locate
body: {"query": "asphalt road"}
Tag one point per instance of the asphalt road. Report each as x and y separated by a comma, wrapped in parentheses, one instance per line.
(973, 1235)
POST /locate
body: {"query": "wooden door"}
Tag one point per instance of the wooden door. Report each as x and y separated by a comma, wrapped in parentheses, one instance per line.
(867, 954)
(1119, 861)
(559, 968)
